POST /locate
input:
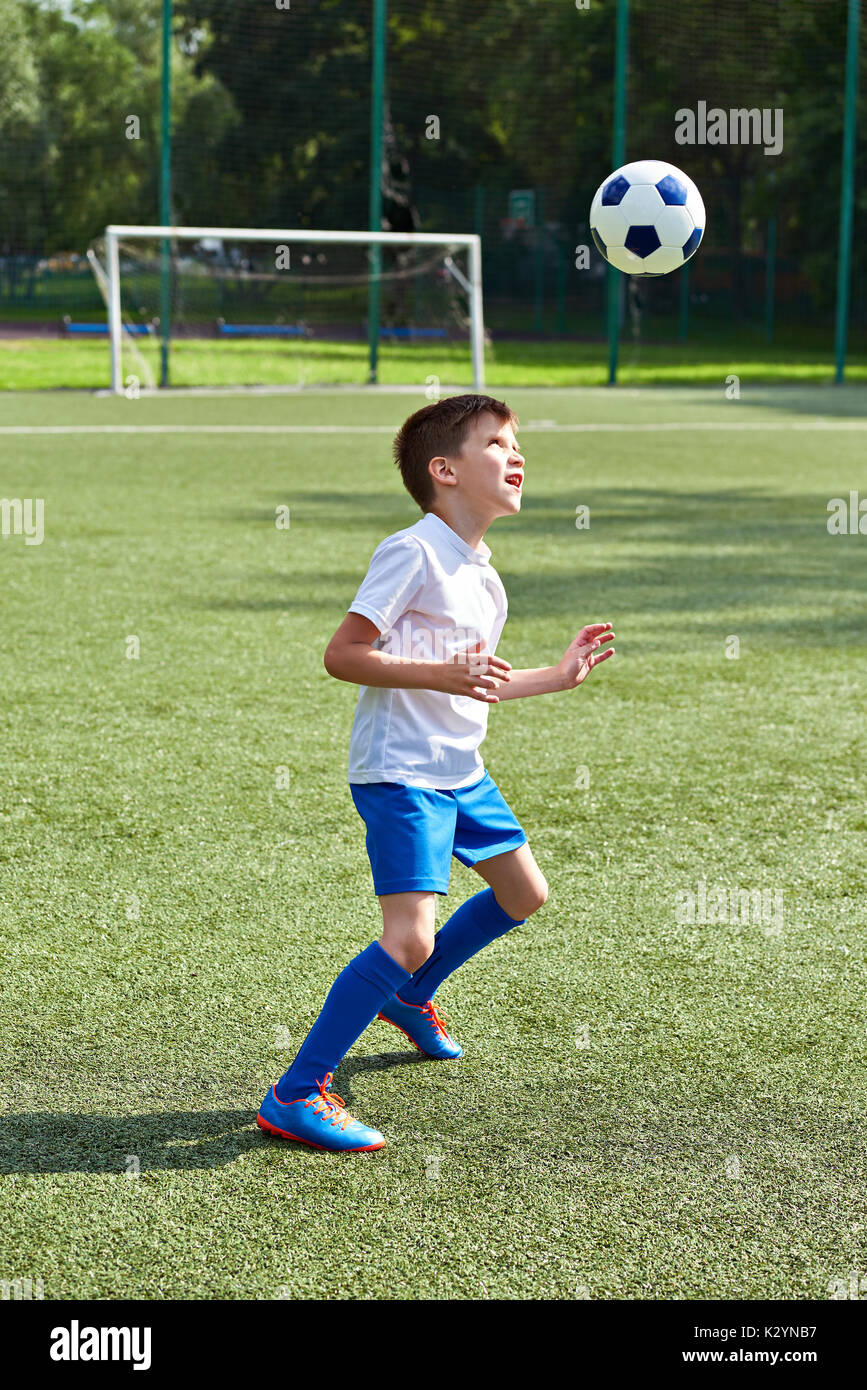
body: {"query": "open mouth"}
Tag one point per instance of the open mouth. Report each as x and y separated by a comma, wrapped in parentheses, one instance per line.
(515, 480)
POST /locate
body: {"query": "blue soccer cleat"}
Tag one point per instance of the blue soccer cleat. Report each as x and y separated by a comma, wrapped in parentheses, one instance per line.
(319, 1120)
(423, 1025)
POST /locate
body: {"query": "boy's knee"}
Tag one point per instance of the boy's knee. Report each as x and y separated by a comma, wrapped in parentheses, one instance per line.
(533, 896)
(538, 895)
(417, 955)
(410, 952)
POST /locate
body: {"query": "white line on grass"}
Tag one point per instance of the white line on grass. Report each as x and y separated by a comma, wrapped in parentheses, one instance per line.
(180, 393)
(668, 392)
(536, 428)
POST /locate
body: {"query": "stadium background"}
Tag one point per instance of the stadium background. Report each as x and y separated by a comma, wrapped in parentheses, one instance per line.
(271, 126)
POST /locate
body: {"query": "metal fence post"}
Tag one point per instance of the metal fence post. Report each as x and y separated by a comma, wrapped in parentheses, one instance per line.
(847, 191)
(377, 98)
(618, 155)
(166, 191)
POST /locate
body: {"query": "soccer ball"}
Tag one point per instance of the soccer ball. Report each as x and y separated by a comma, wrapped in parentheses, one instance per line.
(647, 218)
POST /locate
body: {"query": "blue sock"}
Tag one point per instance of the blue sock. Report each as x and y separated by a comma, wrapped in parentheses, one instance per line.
(353, 1002)
(477, 921)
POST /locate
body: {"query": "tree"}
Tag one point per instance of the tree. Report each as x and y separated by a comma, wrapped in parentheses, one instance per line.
(71, 79)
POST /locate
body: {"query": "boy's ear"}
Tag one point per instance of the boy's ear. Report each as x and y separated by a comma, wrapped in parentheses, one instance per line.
(440, 469)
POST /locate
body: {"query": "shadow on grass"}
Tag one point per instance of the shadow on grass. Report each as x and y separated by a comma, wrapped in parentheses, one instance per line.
(39, 1142)
(44, 1142)
(827, 399)
(660, 551)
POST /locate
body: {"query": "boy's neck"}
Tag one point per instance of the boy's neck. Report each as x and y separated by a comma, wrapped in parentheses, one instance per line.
(470, 528)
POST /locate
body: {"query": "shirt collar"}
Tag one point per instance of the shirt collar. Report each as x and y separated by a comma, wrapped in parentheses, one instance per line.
(434, 523)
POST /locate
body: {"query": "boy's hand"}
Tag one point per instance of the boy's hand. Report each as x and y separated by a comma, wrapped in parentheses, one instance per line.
(475, 673)
(581, 654)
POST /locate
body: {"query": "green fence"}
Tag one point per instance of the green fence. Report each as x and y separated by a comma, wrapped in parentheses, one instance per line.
(497, 118)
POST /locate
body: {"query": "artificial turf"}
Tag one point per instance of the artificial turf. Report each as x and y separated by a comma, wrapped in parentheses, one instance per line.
(647, 1108)
(40, 363)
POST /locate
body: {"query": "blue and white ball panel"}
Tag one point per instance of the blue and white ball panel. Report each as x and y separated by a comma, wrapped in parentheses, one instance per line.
(641, 205)
(642, 240)
(693, 244)
(674, 226)
(612, 192)
(611, 225)
(663, 260)
(646, 171)
(623, 259)
(695, 206)
(672, 190)
(647, 218)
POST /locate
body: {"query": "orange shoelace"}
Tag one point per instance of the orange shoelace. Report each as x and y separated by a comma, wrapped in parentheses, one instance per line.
(431, 1012)
(329, 1106)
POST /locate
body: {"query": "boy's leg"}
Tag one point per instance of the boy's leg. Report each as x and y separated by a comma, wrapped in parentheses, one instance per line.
(408, 926)
(409, 838)
(517, 889)
(488, 838)
(361, 989)
(353, 1002)
(300, 1105)
(517, 881)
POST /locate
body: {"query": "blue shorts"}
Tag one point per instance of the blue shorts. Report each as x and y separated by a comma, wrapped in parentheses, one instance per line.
(412, 832)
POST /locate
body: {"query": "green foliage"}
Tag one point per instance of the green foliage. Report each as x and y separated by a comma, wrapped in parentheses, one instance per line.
(541, 85)
(271, 118)
(18, 72)
(300, 83)
(783, 56)
(71, 76)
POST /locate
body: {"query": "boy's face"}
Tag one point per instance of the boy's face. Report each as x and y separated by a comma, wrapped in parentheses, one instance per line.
(488, 473)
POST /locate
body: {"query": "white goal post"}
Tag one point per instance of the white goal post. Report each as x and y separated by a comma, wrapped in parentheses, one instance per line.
(473, 286)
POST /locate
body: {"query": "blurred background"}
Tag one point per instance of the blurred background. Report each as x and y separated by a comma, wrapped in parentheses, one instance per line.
(498, 117)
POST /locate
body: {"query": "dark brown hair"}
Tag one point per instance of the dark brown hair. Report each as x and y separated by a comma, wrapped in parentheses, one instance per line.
(439, 430)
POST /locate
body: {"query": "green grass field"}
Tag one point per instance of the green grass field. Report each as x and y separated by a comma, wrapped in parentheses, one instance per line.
(648, 1108)
(39, 363)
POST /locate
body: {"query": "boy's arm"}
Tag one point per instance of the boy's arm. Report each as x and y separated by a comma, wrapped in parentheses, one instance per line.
(575, 666)
(350, 656)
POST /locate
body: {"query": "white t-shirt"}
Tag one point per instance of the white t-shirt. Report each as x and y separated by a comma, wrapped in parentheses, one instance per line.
(431, 595)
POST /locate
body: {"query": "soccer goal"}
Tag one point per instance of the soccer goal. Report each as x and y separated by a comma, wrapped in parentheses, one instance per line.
(239, 307)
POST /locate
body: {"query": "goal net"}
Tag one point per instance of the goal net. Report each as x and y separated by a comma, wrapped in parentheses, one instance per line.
(236, 307)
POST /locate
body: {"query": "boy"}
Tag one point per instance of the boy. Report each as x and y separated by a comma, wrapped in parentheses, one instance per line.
(420, 640)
